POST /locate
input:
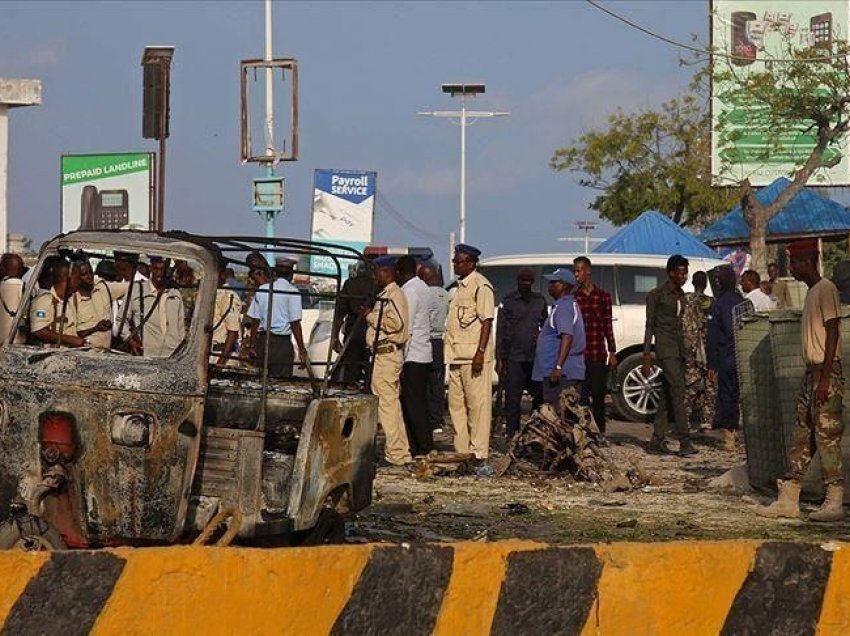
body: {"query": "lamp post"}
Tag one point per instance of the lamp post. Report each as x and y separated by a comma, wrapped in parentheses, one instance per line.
(464, 115)
(587, 227)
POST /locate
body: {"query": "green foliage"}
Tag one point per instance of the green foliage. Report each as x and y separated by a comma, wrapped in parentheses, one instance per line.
(794, 100)
(651, 160)
(833, 253)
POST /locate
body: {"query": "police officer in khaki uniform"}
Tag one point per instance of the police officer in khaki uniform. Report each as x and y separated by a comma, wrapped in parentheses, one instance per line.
(391, 309)
(92, 303)
(469, 354)
(52, 317)
(156, 323)
(227, 318)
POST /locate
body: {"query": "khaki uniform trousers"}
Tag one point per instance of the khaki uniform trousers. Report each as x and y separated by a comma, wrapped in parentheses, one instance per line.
(385, 385)
(471, 408)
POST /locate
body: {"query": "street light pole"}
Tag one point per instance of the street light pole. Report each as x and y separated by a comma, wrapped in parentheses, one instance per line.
(588, 227)
(464, 115)
(463, 168)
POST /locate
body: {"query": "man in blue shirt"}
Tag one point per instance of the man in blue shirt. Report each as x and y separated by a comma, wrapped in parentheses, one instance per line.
(285, 321)
(559, 358)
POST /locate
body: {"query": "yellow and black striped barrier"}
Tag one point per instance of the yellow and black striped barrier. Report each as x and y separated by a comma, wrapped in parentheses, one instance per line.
(735, 587)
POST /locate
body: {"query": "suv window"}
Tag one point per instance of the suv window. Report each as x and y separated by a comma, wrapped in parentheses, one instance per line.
(635, 282)
(503, 278)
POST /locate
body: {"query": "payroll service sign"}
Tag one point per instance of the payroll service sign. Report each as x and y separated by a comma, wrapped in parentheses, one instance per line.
(106, 192)
(343, 211)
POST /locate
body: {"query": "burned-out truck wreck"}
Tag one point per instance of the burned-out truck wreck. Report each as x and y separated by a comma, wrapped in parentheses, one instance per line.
(138, 443)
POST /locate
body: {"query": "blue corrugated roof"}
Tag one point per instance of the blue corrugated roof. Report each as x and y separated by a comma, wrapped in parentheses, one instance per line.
(807, 214)
(654, 233)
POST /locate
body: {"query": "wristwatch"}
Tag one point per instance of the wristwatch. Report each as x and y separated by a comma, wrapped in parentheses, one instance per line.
(480, 350)
(558, 367)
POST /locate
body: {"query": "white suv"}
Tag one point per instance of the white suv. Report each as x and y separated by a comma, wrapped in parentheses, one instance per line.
(628, 278)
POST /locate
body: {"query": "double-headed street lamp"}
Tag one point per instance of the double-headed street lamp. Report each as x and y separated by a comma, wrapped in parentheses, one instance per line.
(463, 91)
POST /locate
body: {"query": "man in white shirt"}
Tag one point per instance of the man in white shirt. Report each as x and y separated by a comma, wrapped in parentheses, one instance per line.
(751, 286)
(439, 299)
(417, 358)
(285, 321)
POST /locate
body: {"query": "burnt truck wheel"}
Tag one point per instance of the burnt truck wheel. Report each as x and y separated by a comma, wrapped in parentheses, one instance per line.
(30, 534)
(329, 529)
(637, 399)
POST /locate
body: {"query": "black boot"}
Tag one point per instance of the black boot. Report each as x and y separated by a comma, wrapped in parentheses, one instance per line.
(686, 448)
(658, 447)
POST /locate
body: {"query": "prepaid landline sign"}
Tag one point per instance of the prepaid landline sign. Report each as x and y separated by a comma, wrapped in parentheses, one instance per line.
(106, 192)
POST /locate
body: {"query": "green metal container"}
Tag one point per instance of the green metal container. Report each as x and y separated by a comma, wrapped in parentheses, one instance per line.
(769, 395)
(761, 423)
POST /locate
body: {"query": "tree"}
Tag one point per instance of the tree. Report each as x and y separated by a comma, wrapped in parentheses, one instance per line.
(655, 159)
(798, 100)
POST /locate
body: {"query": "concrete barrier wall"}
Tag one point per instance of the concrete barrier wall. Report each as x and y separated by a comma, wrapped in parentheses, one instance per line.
(469, 588)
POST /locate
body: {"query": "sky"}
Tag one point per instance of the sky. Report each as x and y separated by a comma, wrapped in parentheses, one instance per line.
(365, 69)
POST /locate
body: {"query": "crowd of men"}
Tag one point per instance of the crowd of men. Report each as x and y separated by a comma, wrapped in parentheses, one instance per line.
(143, 305)
(418, 332)
(397, 315)
(693, 337)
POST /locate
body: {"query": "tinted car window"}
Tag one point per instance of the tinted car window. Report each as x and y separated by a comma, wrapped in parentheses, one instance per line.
(503, 279)
(635, 282)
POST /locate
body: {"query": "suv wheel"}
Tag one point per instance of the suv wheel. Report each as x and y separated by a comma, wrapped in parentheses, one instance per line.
(637, 399)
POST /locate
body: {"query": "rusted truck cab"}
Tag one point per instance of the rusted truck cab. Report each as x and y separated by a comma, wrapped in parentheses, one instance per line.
(101, 447)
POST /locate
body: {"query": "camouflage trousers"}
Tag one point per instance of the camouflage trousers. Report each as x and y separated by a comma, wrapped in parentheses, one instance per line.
(819, 428)
(700, 393)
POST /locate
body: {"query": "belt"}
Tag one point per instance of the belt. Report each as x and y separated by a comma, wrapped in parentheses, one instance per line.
(387, 347)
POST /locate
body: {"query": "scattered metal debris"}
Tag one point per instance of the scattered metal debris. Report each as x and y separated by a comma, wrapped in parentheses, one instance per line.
(563, 440)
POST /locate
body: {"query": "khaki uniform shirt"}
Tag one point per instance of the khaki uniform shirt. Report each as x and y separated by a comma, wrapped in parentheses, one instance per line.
(227, 315)
(91, 310)
(164, 322)
(472, 303)
(394, 328)
(820, 306)
(46, 311)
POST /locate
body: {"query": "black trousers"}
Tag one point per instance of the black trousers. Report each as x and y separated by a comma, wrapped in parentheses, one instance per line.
(414, 406)
(727, 411)
(281, 354)
(437, 385)
(594, 389)
(552, 392)
(353, 364)
(516, 381)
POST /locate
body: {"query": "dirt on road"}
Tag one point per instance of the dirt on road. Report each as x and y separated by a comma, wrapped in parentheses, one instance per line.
(557, 509)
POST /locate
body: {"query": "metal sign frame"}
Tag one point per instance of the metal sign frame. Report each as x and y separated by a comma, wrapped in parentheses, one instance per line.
(286, 154)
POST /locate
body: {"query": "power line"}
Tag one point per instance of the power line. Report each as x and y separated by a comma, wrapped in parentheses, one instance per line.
(697, 49)
(398, 216)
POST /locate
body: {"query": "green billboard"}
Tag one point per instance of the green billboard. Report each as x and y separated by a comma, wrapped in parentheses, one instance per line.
(754, 32)
(106, 192)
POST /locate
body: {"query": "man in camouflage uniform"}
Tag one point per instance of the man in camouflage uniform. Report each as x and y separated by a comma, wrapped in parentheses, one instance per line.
(820, 401)
(700, 393)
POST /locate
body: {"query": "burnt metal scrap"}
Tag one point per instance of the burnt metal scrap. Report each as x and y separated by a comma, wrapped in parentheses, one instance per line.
(563, 440)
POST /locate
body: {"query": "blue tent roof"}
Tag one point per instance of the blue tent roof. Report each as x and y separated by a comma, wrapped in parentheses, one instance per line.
(654, 233)
(807, 214)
